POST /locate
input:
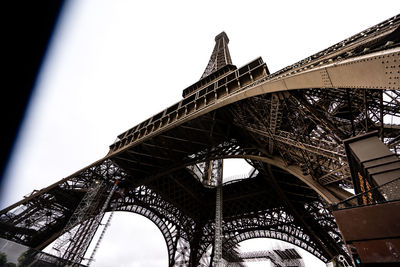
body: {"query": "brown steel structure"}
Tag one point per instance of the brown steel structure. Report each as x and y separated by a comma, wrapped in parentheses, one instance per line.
(288, 125)
(277, 257)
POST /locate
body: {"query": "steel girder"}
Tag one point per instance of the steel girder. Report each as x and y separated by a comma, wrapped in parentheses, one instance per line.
(172, 218)
(288, 125)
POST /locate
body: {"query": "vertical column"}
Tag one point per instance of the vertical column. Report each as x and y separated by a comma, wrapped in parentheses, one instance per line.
(218, 227)
(218, 215)
(212, 177)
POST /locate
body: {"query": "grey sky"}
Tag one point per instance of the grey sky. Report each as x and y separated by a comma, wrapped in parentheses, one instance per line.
(112, 64)
(12, 250)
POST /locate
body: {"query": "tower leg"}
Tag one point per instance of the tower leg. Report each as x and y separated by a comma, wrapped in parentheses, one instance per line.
(73, 244)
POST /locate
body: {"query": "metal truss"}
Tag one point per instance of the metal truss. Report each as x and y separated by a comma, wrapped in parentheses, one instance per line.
(293, 227)
(278, 257)
(317, 122)
(288, 125)
(74, 241)
(218, 216)
(175, 227)
(220, 55)
(180, 231)
(287, 236)
(40, 218)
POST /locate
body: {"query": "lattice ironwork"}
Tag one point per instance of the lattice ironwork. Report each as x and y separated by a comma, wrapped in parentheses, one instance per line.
(288, 125)
(82, 225)
(220, 55)
(278, 257)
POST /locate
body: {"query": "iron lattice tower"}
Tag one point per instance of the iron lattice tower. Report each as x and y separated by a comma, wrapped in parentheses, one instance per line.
(289, 125)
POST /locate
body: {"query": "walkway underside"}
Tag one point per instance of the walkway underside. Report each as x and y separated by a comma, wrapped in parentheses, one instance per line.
(288, 125)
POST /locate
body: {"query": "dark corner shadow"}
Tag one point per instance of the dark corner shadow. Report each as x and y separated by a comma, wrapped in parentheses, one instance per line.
(29, 27)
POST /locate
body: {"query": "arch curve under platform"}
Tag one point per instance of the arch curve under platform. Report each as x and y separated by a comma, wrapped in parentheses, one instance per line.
(294, 170)
(278, 235)
(167, 230)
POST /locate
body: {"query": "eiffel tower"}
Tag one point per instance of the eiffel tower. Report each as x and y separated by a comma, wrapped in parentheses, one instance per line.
(289, 126)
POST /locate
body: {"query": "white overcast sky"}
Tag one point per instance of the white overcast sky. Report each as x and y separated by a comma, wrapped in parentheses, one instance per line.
(112, 64)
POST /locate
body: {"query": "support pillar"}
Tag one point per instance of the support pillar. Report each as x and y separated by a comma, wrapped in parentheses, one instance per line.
(194, 247)
(218, 214)
(218, 226)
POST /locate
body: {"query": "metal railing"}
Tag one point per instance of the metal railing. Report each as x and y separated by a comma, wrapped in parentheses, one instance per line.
(384, 193)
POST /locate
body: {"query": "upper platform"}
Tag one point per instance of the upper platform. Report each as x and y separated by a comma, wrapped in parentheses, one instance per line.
(220, 78)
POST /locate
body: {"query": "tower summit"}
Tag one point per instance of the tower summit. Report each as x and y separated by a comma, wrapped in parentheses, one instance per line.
(220, 64)
(220, 56)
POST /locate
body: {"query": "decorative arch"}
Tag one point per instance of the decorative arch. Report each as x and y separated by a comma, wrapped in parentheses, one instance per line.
(288, 234)
(169, 219)
(278, 235)
(168, 230)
